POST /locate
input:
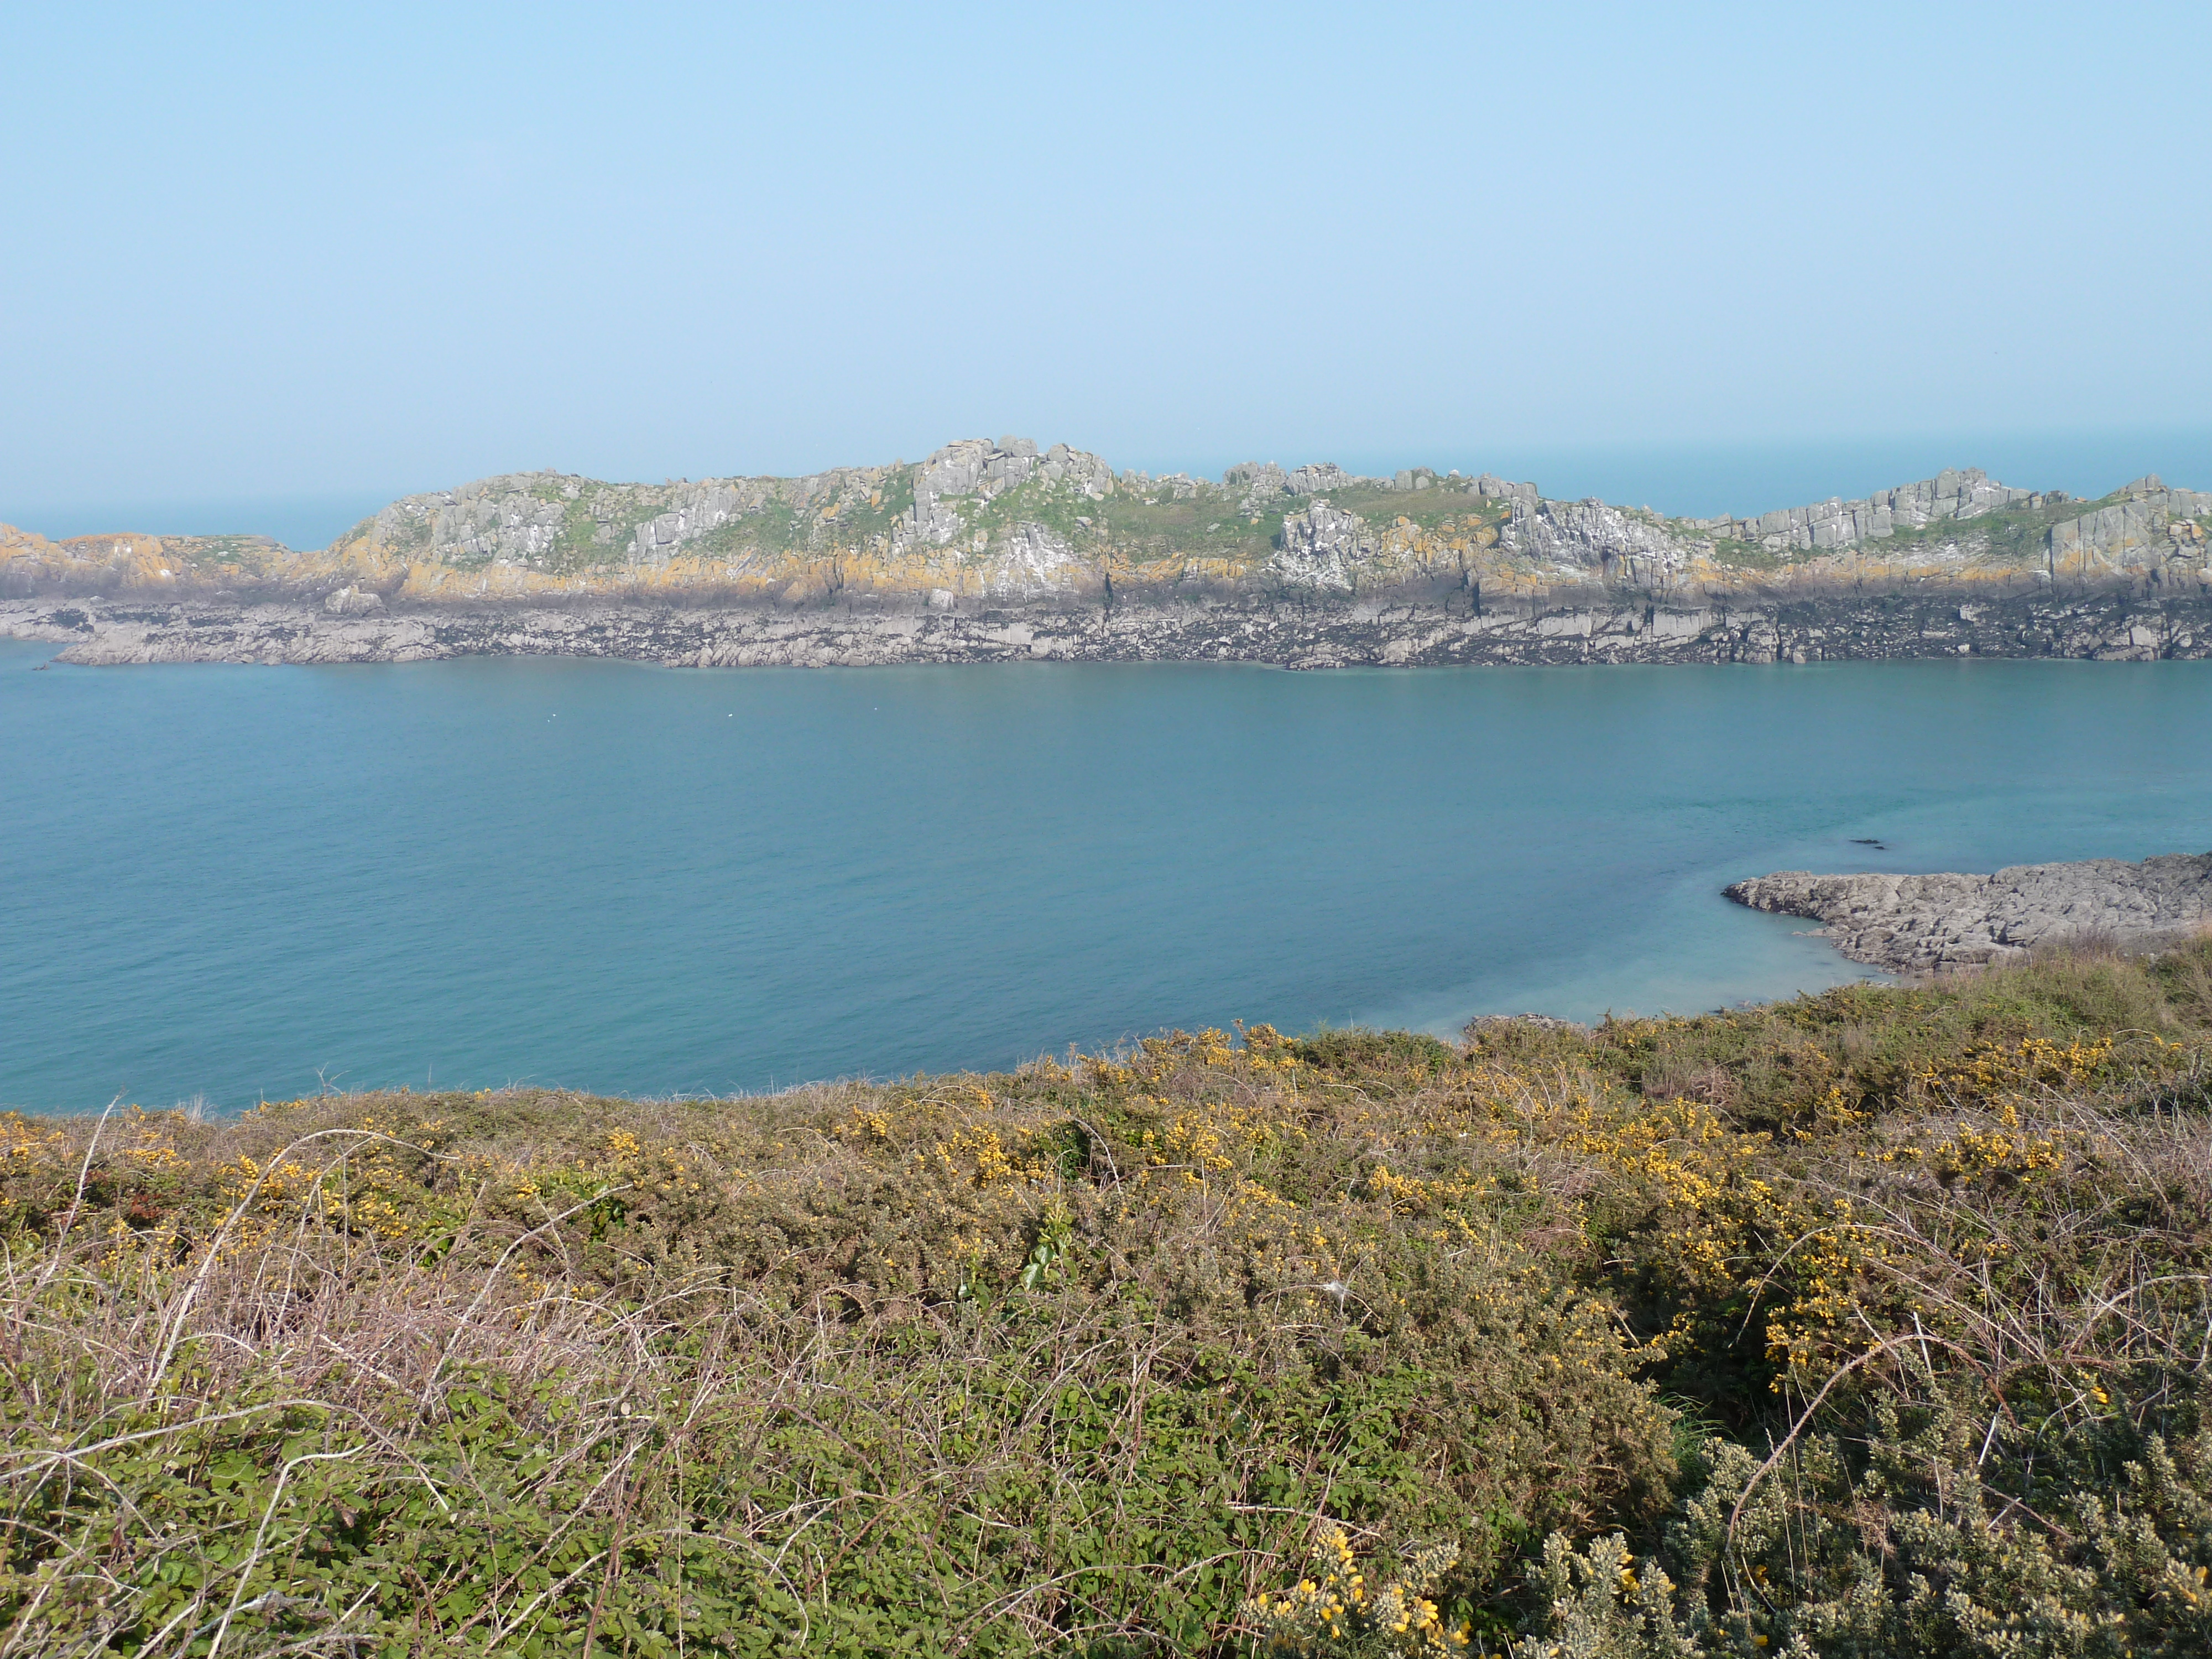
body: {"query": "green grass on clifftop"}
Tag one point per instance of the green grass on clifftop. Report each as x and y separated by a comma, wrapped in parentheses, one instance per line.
(1870, 1323)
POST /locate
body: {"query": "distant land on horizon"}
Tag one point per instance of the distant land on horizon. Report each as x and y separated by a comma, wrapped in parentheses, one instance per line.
(990, 549)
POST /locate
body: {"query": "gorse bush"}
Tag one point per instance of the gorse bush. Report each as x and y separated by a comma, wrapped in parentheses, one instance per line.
(1875, 1322)
(1333, 1609)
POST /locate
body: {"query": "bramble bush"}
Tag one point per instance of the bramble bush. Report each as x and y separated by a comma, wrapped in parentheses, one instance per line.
(1871, 1323)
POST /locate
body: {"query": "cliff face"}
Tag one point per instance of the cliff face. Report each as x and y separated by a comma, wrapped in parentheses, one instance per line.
(1007, 529)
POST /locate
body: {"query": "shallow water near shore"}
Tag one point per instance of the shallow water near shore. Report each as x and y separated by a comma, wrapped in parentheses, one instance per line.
(231, 883)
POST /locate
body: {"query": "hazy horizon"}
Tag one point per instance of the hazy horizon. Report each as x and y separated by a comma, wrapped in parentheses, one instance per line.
(1682, 480)
(322, 255)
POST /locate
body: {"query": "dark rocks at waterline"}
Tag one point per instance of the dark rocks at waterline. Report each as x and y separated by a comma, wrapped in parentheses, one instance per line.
(1429, 626)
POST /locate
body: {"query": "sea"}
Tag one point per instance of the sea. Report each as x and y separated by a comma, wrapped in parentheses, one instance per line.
(228, 884)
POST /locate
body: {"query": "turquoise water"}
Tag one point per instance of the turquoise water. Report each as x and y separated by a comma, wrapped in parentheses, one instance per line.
(231, 882)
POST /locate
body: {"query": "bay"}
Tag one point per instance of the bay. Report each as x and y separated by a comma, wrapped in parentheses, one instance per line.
(233, 883)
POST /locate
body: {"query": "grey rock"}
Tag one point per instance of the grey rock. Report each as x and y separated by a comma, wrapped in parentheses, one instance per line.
(1500, 489)
(702, 508)
(1003, 472)
(954, 469)
(1318, 477)
(1923, 924)
(1322, 548)
(2111, 533)
(1609, 541)
(959, 469)
(352, 601)
(1953, 493)
(1033, 560)
(1290, 624)
(1090, 474)
(1257, 485)
(2150, 535)
(929, 520)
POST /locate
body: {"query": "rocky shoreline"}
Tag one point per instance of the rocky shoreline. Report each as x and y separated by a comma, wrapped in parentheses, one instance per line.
(989, 552)
(1427, 625)
(1920, 925)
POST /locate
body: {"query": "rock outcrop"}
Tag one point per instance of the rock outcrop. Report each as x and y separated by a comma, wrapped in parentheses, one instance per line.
(1950, 494)
(1626, 548)
(1322, 548)
(1958, 563)
(1924, 924)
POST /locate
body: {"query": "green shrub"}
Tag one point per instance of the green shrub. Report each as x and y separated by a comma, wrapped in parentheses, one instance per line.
(1087, 1358)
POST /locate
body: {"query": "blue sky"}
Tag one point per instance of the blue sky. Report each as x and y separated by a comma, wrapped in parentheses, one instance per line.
(284, 253)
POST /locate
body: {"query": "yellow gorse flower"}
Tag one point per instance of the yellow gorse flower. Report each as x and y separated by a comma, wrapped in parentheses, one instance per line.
(1334, 1598)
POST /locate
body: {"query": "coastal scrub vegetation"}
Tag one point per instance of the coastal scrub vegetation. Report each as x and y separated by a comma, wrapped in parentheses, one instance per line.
(1873, 1322)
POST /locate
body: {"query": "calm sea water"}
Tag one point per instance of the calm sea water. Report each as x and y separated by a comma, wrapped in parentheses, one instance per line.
(1694, 480)
(231, 882)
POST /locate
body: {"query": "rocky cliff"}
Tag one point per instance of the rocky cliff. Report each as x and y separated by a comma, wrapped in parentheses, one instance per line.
(1306, 563)
(1922, 924)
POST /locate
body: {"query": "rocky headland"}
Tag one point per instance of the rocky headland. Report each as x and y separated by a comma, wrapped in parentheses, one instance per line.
(1926, 924)
(994, 551)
